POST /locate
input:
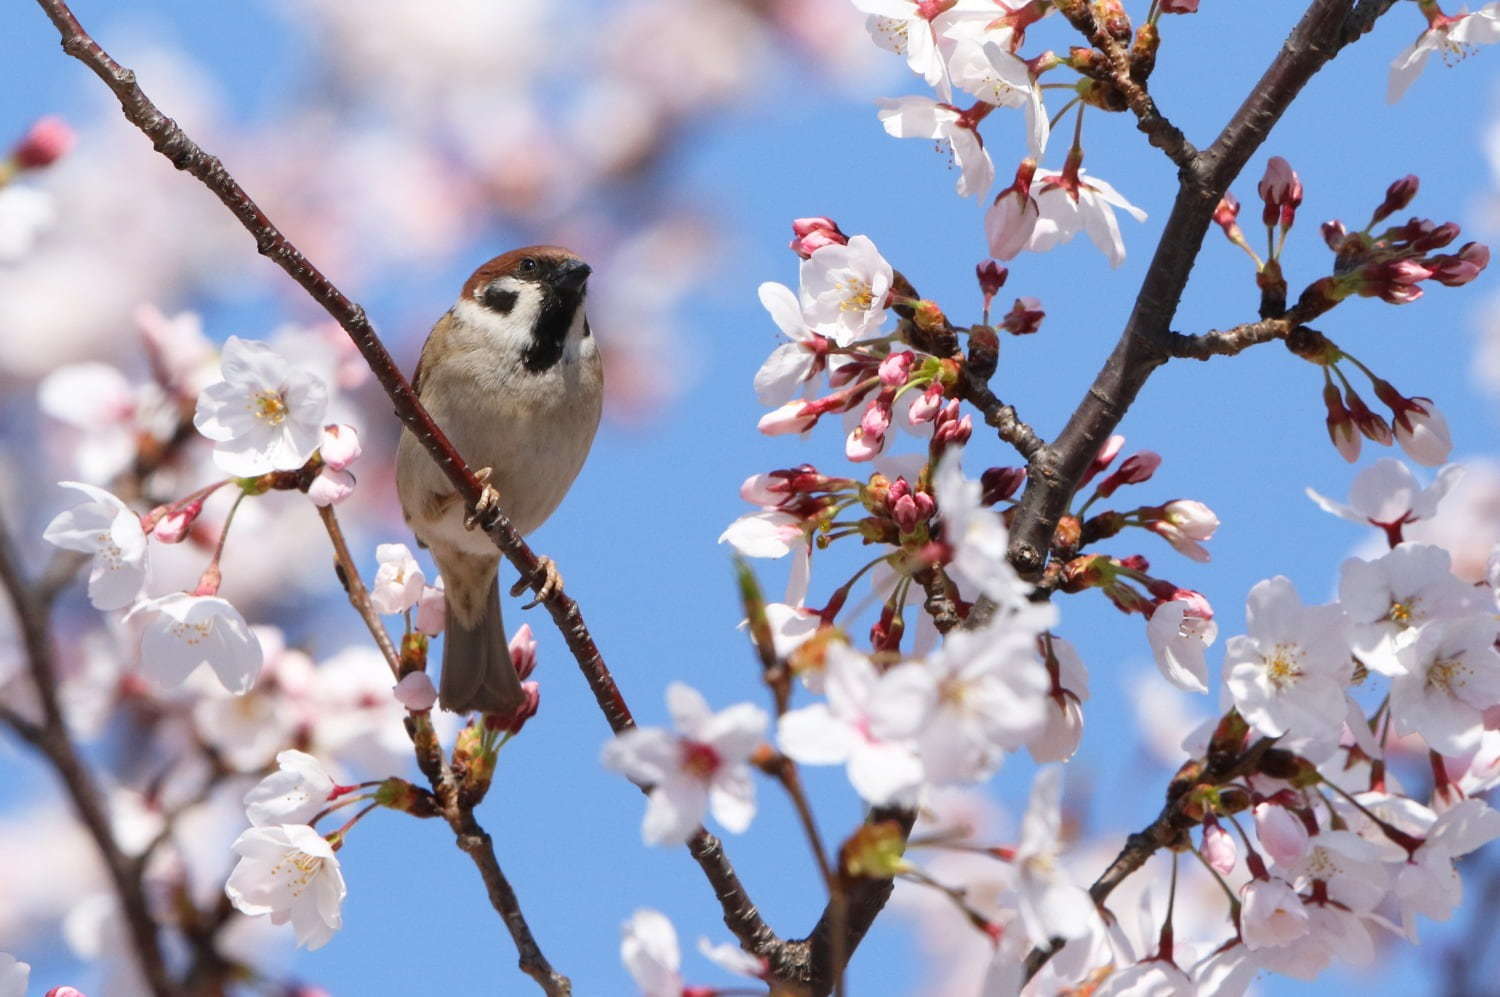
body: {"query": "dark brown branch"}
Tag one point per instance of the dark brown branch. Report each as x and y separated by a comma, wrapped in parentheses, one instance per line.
(1228, 342)
(354, 587)
(51, 738)
(1001, 417)
(741, 916)
(477, 844)
(1145, 343)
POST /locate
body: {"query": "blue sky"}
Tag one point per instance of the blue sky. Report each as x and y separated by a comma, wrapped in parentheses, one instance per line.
(635, 538)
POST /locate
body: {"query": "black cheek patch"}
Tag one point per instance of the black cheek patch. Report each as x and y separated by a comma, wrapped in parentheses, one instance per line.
(499, 300)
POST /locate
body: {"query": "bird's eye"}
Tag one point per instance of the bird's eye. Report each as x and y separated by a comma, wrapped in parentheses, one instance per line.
(528, 265)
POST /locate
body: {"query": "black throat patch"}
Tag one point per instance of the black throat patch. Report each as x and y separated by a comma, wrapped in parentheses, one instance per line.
(551, 332)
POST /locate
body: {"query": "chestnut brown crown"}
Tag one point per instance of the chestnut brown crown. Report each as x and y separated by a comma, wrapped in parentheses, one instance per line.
(554, 266)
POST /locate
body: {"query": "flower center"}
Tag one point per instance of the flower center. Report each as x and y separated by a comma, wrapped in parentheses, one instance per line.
(1403, 614)
(858, 295)
(1283, 664)
(303, 868)
(192, 633)
(700, 759)
(270, 407)
(892, 31)
(1445, 673)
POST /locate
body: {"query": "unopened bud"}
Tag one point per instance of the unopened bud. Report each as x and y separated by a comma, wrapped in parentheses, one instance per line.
(1000, 483)
(812, 234)
(1024, 318)
(1341, 428)
(47, 141)
(1281, 191)
(1397, 196)
(1136, 468)
(991, 277)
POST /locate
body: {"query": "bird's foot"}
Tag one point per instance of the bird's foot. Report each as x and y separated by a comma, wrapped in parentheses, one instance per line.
(547, 580)
(489, 500)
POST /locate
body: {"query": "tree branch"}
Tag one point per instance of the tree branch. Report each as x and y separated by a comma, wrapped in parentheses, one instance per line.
(1146, 343)
(51, 738)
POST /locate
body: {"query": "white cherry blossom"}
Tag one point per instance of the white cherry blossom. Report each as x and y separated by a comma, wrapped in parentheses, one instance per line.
(1050, 903)
(183, 632)
(1386, 494)
(265, 415)
(290, 872)
(791, 365)
(1390, 598)
(844, 290)
(1450, 674)
(399, 581)
(768, 533)
(1060, 735)
(997, 76)
(648, 947)
(1178, 641)
(919, 32)
(925, 118)
(1453, 36)
(1288, 674)
(1088, 205)
(979, 540)
(1271, 914)
(700, 768)
(1353, 868)
(105, 528)
(293, 794)
(847, 730)
(1428, 884)
(25, 216)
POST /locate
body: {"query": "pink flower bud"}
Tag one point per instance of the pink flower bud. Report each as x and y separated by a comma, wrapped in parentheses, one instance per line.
(1372, 426)
(415, 692)
(1136, 469)
(432, 610)
(1107, 453)
(523, 651)
(1341, 428)
(1457, 270)
(1282, 834)
(1425, 236)
(812, 234)
(1423, 433)
(793, 417)
(340, 446)
(1000, 483)
(1024, 318)
(1334, 234)
(991, 279)
(1397, 196)
(1192, 517)
(877, 418)
(1227, 213)
(330, 487)
(896, 367)
(1281, 190)
(859, 446)
(1218, 849)
(527, 709)
(926, 408)
(47, 141)
(904, 512)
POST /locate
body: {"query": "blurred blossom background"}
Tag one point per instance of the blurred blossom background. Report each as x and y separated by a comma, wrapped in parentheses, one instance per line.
(400, 144)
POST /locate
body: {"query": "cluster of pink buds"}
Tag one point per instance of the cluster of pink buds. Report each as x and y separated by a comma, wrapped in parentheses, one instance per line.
(1416, 424)
(812, 234)
(802, 491)
(949, 428)
(47, 141)
(1392, 264)
(1128, 584)
(899, 513)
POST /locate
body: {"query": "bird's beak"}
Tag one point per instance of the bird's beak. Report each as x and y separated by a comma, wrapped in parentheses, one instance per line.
(571, 275)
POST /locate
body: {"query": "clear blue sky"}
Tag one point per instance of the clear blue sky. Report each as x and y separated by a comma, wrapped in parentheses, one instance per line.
(636, 536)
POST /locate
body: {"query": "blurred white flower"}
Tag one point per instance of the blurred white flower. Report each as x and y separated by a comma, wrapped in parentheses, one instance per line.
(1386, 494)
(25, 214)
(183, 632)
(14, 975)
(265, 415)
(290, 872)
(399, 580)
(700, 768)
(648, 947)
(105, 528)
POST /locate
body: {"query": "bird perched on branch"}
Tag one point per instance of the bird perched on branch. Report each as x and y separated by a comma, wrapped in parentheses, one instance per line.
(513, 376)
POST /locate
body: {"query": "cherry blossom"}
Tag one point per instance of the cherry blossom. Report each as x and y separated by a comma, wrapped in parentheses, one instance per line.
(768, 533)
(1422, 431)
(1050, 903)
(916, 30)
(290, 872)
(1271, 914)
(183, 632)
(1071, 203)
(1389, 599)
(1288, 674)
(399, 581)
(844, 290)
(265, 415)
(105, 528)
(793, 364)
(1062, 730)
(648, 947)
(1352, 868)
(416, 692)
(700, 768)
(923, 117)
(1178, 635)
(293, 794)
(1428, 883)
(1450, 674)
(108, 414)
(1386, 494)
(979, 541)
(1450, 35)
(996, 76)
(432, 609)
(848, 730)
(1280, 832)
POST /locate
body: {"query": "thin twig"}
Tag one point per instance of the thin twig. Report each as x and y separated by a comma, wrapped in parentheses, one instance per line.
(354, 587)
(52, 739)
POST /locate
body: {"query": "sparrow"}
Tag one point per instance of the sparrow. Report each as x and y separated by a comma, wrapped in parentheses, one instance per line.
(513, 376)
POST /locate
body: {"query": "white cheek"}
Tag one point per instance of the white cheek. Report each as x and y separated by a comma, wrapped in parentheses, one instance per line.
(512, 330)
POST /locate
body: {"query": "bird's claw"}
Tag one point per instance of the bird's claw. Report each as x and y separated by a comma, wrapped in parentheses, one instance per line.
(546, 578)
(489, 500)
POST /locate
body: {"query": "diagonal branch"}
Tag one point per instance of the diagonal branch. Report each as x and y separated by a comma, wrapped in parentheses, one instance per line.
(1145, 343)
